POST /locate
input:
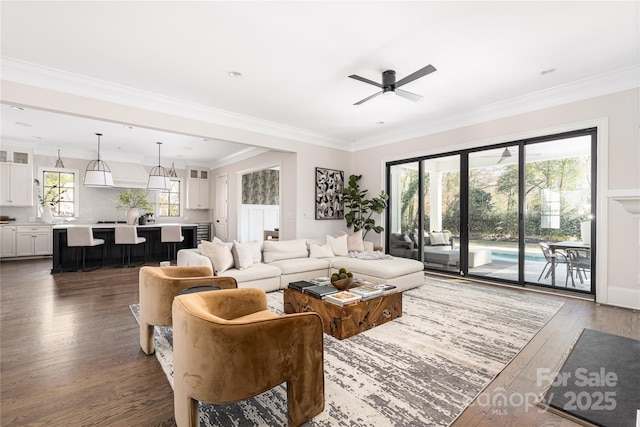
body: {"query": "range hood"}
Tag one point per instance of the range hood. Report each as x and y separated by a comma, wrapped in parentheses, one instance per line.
(129, 175)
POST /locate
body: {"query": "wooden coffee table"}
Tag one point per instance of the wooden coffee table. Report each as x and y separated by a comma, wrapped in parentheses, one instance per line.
(349, 320)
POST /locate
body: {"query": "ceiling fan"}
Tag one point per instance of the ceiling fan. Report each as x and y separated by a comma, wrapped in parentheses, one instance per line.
(507, 154)
(389, 84)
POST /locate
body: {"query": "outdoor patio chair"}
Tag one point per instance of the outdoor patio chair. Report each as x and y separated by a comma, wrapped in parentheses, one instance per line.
(559, 259)
(580, 262)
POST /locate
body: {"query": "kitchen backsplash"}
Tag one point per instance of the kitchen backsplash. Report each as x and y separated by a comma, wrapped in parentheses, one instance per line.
(96, 204)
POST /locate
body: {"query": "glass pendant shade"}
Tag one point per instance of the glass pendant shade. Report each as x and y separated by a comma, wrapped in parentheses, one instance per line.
(158, 177)
(98, 173)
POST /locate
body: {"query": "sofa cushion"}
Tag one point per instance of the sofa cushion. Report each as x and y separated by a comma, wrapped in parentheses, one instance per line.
(438, 238)
(383, 268)
(255, 272)
(317, 251)
(354, 241)
(301, 265)
(220, 256)
(338, 245)
(284, 249)
(256, 250)
(242, 255)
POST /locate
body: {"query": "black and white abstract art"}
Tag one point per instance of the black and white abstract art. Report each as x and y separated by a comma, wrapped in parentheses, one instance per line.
(329, 186)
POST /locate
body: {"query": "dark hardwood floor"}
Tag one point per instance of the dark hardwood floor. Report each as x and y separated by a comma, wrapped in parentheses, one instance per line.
(70, 353)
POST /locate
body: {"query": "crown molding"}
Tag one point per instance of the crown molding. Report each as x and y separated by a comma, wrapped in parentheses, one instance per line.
(603, 84)
(62, 81)
(53, 79)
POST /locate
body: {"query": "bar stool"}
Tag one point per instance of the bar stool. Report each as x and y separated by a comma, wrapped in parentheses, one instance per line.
(82, 237)
(171, 234)
(128, 235)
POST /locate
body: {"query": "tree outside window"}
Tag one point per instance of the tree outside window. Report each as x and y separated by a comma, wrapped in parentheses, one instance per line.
(59, 191)
(169, 200)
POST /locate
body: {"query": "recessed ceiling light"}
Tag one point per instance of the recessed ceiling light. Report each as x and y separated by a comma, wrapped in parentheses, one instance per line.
(37, 137)
(23, 124)
(235, 74)
(127, 127)
(550, 70)
(188, 148)
(380, 122)
(15, 107)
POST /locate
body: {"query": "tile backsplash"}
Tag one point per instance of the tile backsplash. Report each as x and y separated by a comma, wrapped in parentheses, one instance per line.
(96, 204)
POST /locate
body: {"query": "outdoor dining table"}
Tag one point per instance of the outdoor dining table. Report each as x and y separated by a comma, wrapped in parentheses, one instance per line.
(564, 245)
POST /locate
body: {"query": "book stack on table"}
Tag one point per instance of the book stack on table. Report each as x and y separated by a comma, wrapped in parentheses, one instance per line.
(342, 298)
(313, 289)
(367, 292)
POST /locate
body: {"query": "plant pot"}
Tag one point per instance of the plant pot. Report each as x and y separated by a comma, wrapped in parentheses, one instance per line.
(131, 216)
(46, 215)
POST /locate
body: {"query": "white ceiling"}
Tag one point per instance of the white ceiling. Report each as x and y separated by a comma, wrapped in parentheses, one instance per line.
(295, 58)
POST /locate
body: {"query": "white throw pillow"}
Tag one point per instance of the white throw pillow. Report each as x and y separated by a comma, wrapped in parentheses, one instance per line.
(354, 241)
(256, 250)
(220, 256)
(320, 251)
(338, 245)
(242, 255)
(437, 239)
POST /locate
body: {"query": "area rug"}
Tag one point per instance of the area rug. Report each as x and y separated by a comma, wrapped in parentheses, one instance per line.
(421, 369)
(599, 381)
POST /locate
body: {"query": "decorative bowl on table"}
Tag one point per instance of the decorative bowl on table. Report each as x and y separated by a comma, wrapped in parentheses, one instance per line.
(342, 284)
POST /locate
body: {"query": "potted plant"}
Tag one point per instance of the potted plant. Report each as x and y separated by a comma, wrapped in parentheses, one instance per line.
(48, 200)
(132, 202)
(359, 210)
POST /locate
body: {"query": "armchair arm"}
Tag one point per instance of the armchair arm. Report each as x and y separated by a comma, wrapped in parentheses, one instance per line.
(185, 271)
(231, 304)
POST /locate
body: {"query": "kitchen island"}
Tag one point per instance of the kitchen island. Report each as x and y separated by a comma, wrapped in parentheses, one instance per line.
(64, 257)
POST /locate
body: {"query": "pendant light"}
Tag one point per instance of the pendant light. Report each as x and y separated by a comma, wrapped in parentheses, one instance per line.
(98, 173)
(158, 177)
(172, 171)
(59, 163)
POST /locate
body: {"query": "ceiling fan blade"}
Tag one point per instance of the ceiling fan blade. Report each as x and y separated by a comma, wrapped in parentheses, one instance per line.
(368, 98)
(408, 95)
(505, 155)
(420, 73)
(362, 79)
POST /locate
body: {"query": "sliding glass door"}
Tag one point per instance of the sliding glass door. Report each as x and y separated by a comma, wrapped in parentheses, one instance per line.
(558, 188)
(520, 212)
(493, 213)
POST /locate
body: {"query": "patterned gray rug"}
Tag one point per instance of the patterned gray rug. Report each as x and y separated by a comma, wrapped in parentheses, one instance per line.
(422, 369)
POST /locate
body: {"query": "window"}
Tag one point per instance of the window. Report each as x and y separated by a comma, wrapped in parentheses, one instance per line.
(59, 188)
(169, 200)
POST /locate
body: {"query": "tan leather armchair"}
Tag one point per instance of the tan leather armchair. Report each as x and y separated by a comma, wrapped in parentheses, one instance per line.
(227, 347)
(159, 285)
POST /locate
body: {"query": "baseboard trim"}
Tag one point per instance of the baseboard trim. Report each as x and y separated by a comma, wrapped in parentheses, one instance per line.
(623, 297)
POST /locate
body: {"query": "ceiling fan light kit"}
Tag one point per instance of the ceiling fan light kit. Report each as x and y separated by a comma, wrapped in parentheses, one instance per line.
(390, 87)
(98, 173)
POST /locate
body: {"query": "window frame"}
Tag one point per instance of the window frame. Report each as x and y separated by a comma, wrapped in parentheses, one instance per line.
(180, 203)
(76, 188)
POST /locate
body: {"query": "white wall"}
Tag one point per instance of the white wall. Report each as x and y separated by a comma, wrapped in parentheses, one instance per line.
(619, 168)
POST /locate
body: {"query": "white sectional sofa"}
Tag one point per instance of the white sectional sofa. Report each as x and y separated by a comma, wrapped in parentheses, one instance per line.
(278, 263)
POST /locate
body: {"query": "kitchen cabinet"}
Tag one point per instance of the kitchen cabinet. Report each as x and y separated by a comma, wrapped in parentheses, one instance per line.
(8, 241)
(16, 177)
(33, 240)
(197, 188)
(15, 155)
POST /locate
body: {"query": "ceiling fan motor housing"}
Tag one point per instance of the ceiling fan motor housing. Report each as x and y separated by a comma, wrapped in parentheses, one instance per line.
(388, 81)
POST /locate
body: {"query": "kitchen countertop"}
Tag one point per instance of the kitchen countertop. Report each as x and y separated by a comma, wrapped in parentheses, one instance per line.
(65, 226)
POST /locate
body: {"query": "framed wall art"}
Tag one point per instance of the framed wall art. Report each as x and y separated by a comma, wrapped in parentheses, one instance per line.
(329, 186)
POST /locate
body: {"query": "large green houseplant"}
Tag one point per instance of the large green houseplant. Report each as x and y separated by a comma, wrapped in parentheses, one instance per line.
(133, 202)
(359, 210)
